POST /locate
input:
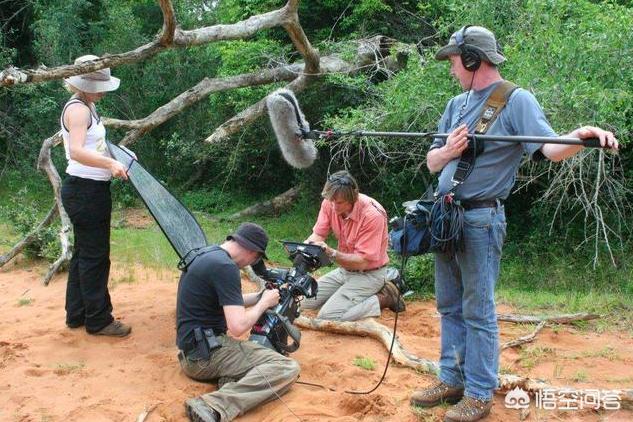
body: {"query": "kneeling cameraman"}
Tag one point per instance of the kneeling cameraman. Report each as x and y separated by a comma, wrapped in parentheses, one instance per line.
(209, 303)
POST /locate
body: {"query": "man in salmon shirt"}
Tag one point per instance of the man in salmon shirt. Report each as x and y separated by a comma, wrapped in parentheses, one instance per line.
(359, 288)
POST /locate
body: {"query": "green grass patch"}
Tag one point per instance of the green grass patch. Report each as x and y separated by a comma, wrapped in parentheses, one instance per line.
(25, 301)
(68, 368)
(532, 356)
(364, 362)
(580, 376)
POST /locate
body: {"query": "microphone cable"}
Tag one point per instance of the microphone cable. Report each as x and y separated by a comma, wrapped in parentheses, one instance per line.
(447, 225)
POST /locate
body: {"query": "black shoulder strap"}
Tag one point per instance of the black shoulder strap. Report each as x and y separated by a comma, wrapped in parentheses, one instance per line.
(489, 113)
(191, 256)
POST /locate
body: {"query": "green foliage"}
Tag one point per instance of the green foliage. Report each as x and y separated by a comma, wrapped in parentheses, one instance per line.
(25, 216)
(364, 362)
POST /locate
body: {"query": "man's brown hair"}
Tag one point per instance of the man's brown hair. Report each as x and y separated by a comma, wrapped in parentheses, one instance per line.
(341, 185)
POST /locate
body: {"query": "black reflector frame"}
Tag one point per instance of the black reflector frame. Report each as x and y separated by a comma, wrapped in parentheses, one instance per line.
(175, 220)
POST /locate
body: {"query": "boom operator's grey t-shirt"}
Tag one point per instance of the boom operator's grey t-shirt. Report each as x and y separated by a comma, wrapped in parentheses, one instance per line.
(495, 169)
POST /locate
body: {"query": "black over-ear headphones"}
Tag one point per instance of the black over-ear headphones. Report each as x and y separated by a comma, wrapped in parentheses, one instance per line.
(471, 58)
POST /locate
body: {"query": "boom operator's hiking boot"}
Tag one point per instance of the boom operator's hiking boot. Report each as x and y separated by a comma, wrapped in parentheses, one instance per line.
(436, 394)
(468, 409)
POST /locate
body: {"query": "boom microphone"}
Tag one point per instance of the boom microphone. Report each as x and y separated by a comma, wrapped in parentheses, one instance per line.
(296, 139)
(291, 129)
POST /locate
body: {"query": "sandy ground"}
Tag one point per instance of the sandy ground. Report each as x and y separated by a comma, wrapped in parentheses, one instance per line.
(51, 373)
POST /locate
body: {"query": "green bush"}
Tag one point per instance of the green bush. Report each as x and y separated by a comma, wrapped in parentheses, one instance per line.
(25, 216)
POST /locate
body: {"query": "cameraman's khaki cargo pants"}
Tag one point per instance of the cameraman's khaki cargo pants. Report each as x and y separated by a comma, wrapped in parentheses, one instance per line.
(252, 366)
(347, 295)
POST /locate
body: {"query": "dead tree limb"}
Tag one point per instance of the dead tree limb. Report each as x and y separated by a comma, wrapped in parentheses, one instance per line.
(556, 319)
(524, 339)
(195, 94)
(169, 23)
(45, 164)
(371, 328)
(29, 238)
(13, 75)
(273, 206)
(327, 65)
(171, 36)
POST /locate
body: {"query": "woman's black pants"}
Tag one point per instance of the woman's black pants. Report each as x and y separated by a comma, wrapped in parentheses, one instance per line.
(89, 207)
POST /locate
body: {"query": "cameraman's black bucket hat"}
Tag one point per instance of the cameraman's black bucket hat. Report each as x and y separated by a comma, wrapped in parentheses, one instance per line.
(252, 237)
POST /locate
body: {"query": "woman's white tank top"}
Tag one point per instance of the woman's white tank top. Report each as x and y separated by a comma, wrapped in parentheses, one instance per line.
(95, 141)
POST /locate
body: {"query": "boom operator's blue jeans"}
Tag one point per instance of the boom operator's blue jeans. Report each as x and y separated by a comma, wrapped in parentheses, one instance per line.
(464, 289)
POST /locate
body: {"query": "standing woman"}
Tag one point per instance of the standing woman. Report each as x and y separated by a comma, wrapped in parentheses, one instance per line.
(86, 198)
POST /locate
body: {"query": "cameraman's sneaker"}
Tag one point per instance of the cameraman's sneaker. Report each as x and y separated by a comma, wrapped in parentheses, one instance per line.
(389, 297)
(115, 329)
(468, 410)
(436, 394)
(199, 411)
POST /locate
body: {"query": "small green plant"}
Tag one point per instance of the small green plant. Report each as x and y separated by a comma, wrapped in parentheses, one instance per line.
(505, 370)
(67, 368)
(364, 362)
(607, 352)
(25, 301)
(530, 357)
(580, 376)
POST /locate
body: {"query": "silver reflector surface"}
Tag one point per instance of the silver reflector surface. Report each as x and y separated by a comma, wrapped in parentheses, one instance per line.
(175, 220)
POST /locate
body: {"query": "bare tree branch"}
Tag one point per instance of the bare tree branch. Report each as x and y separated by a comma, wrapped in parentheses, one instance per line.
(371, 328)
(169, 23)
(171, 36)
(202, 90)
(524, 339)
(557, 319)
(235, 31)
(45, 164)
(273, 206)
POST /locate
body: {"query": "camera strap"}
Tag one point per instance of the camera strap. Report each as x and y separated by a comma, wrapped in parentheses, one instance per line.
(489, 113)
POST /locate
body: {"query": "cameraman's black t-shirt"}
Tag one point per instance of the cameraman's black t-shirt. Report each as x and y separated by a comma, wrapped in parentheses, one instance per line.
(211, 282)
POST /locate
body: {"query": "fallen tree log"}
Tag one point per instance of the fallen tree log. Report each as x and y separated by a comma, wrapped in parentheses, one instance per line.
(557, 319)
(273, 206)
(525, 339)
(371, 328)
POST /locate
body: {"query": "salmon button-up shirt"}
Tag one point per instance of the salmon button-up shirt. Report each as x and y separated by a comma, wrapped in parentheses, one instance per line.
(362, 232)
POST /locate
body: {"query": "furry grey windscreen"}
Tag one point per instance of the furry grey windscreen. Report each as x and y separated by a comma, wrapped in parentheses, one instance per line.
(179, 225)
(288, 123)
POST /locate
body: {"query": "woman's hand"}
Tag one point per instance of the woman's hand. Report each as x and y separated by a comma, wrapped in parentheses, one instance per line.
(118, 170)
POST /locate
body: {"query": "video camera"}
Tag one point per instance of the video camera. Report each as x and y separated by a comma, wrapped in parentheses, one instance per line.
(274, 328)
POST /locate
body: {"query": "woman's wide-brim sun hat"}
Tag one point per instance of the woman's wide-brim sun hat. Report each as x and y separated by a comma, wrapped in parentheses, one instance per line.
(94, 82)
